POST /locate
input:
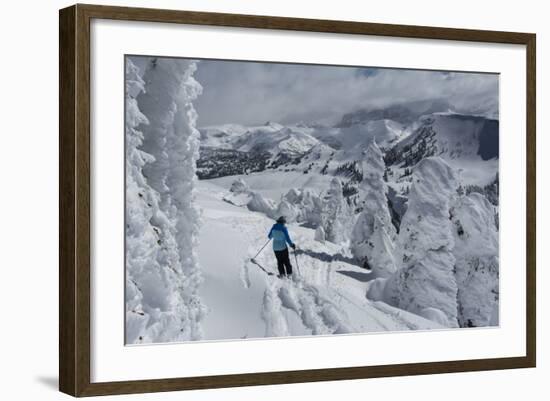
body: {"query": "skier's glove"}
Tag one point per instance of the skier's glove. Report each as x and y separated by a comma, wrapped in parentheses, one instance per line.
(293, 246)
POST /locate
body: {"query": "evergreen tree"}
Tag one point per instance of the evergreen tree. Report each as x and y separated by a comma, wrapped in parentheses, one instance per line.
(426, 280)
(320, 234)
(477, 260)
(141, 202)
(287, 210)
(372, 239)
(170, 137)
(335, 215)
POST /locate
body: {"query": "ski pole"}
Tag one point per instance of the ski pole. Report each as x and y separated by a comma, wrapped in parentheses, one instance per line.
(297, 266)
(261, 249)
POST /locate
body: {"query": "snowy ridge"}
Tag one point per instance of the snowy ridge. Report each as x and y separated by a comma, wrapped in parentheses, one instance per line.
(221, 136)
(275, 138)
(402, 113)
(468, 143)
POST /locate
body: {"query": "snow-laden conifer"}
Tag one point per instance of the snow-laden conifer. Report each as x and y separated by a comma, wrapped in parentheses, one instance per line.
(336, 214)
(372, 239)
(477, 262)
(166, 278)
(426, 276)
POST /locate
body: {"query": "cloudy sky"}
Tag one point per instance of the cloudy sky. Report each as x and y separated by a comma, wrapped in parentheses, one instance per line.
(252, 93)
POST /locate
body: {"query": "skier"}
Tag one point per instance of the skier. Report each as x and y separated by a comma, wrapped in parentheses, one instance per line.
(279, 234)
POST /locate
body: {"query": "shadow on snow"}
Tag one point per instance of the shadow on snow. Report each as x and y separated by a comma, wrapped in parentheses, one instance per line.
(325, 257)
(363, 277)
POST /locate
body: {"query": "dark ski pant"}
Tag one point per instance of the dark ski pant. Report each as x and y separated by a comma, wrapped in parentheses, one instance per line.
(283, 261)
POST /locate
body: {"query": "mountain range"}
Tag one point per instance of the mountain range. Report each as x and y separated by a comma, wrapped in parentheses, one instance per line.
(405, 133)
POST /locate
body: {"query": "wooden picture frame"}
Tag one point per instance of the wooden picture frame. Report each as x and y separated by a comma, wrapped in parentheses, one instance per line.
(75, 198)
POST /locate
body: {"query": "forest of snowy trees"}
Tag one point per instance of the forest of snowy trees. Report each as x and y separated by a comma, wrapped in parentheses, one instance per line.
(442, 265)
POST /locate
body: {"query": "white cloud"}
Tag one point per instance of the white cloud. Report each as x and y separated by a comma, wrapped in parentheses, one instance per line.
(252, 93)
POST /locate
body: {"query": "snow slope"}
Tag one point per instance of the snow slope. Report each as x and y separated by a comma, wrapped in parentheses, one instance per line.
(326, 296)
(274, 184)
(271, 137)
(221, 136)
(275, 138)
(352, 140)
(469, 144)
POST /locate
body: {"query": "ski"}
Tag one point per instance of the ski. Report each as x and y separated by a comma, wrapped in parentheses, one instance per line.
(253, 261)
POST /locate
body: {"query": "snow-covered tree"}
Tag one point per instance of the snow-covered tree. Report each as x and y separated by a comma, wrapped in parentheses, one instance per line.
(294, 196)
(239, 193)
(239, 186)
(477, 262)
(335, 216)
(426, 241)
(303, 206)
(165, 281)
(141, 237)
(319, 234)
(259, 203)
(372, 239)
(312, 207)
(286, 209)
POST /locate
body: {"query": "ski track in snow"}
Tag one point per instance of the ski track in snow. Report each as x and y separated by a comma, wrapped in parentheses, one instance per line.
(315, 300)
(395, 315)
(319, 314)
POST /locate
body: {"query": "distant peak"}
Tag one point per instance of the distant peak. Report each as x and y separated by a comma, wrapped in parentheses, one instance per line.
(403, 113)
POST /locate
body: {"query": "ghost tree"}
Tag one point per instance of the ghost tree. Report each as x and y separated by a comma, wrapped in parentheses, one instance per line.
(426, 276)
(373, 235)
(335, 215)
(477, 263)
(141, 203)
(169, 285)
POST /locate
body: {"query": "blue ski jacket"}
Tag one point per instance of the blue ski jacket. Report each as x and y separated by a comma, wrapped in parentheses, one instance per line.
(280, 237)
